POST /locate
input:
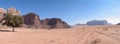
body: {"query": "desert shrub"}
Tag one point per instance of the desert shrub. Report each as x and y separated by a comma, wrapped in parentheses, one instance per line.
(96, 41)
(105, 28)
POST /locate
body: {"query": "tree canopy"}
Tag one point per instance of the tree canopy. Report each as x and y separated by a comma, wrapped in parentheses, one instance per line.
(13, 20)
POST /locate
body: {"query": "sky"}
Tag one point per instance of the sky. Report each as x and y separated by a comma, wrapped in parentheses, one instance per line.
(70, 11)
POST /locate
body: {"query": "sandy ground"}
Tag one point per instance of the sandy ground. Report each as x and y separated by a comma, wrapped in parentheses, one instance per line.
(75, 35)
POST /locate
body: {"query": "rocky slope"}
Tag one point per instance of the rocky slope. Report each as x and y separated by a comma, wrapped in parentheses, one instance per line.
(54, 23)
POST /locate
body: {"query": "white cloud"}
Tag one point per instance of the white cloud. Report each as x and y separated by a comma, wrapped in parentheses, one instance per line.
(113, 20)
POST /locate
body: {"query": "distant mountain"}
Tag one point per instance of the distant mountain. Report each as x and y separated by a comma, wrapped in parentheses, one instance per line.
(54, 23)
(32, 19)
(97, 22)
(80, 24)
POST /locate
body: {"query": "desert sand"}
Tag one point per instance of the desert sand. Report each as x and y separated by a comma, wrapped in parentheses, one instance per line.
(75, 35)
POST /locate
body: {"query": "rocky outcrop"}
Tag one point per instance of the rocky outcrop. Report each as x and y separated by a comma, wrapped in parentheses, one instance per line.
(54, 23)
(97, 22)
(32, 19)
(2, 12)
(13, 11)
(118, 24)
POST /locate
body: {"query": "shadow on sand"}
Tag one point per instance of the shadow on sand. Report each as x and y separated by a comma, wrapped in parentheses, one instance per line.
(6, 31)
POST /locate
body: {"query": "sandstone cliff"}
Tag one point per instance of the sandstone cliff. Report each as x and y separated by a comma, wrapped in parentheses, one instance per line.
(54, 23)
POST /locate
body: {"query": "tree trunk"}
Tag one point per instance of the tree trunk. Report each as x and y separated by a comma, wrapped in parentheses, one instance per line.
(13, 29)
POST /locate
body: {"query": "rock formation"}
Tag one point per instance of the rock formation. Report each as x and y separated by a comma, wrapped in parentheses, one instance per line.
(118, 24)
(32, 19)
(2, 12)
(54, 23)
(13, 11)
(97, 22)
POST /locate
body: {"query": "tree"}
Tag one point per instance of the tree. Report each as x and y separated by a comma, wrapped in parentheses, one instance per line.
(13, 20)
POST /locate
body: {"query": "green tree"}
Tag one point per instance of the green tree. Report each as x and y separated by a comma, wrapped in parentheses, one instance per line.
(13, 20)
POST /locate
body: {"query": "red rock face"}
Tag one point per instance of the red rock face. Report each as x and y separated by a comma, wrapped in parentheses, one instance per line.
(54, 23)
(31, 19)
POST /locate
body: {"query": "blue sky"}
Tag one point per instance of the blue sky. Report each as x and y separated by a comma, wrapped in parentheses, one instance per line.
(71, 11)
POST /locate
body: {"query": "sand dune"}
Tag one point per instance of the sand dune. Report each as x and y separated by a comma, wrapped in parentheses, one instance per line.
(75, 35)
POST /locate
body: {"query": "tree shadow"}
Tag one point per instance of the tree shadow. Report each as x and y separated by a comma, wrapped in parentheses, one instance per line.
(5, 31)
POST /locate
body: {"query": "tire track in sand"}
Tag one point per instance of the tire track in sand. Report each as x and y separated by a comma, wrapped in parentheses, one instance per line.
(85, 36)
(107, 36)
